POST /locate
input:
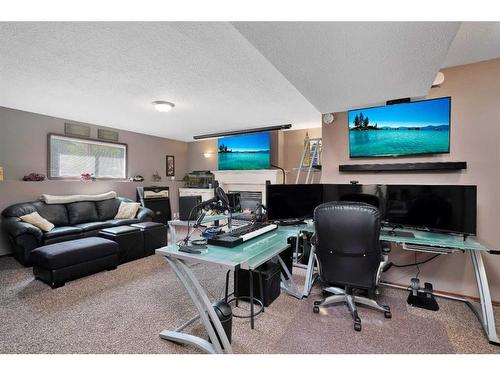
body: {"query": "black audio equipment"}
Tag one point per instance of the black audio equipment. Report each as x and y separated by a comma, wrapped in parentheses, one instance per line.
(234, 201)
(186, 204)
(405, 167)
(398, 101)
(156, 198)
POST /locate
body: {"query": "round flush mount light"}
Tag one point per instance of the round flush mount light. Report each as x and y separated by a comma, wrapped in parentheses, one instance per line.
(163, 106)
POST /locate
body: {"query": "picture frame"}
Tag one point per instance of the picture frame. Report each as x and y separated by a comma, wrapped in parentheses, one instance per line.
(170, 165)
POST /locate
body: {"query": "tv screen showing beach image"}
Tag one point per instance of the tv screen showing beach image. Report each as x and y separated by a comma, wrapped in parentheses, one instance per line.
(249, 151)
(401, 129)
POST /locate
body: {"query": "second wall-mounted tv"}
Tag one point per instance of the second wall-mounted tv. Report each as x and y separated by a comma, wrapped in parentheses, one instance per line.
(412, 128)
(248, 151)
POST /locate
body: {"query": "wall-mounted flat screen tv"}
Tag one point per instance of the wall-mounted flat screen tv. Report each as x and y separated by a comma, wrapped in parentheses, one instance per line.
(248, 151)
(413, 128)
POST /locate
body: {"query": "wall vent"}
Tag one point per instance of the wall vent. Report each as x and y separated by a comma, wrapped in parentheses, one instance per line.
(108, 135)
(77, 130)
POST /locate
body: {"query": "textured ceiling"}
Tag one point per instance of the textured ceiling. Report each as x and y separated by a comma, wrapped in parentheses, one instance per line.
(342, 65)
(109, 73)
(225, 76)
(475, 41)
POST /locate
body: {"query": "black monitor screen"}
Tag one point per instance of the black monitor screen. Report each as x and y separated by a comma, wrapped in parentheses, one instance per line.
(293, 201)
(441, 207)
(370, 194)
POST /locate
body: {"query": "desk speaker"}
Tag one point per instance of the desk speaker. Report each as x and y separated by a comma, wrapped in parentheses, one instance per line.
(186, 204)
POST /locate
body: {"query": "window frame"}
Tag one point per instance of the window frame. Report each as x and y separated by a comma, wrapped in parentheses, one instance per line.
(77, 178)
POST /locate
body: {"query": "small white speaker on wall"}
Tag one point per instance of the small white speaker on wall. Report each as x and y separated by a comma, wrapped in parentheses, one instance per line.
(328, 118)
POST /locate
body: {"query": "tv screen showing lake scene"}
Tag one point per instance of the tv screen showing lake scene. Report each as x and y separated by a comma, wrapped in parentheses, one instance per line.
(249, 151)
(421, 127)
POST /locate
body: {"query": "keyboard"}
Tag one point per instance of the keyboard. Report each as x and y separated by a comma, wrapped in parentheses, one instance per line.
(239, 235)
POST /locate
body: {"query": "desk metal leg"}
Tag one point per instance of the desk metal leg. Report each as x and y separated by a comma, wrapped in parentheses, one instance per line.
(287, 283)
(206, 313)
(487, 317)
(310, 276)
(173, 235)
(250, 280)
(226, 293)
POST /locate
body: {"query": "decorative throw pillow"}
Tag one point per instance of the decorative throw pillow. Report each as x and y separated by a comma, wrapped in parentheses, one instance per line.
(127, 210)
(35, 219)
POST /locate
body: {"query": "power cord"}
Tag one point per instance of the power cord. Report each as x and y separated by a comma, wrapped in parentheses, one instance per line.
(416, 263)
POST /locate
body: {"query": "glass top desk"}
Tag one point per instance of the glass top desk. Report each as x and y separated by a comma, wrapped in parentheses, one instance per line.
(172, 224)
(255, 252)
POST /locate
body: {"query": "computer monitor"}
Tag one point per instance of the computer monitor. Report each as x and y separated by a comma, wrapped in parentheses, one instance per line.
(286, 202)
(449, 208)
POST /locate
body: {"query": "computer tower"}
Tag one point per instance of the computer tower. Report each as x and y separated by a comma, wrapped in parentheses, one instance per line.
(186, 204)
(234, 201)
(271, 283)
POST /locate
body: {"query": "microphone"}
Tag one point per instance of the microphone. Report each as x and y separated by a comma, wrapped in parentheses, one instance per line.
(219, 195)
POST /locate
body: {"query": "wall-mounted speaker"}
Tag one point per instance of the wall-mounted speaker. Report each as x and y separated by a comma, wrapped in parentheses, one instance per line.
(328, 118)
(398, 101)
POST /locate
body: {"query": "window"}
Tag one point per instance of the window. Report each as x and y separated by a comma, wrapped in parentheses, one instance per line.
(70, 157)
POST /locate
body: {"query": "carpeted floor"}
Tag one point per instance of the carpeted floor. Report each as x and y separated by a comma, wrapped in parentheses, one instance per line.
(123, 311)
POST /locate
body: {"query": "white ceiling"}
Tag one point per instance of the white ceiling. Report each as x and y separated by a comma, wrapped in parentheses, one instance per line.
(343, 65)
(109, 73)
(475, 41)
(224, 76)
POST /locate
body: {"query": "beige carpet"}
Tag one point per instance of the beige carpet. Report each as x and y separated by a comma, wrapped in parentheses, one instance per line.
(123, 311)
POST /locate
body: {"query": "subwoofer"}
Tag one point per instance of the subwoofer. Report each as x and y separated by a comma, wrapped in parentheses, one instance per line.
(186, 204)
(156, 199)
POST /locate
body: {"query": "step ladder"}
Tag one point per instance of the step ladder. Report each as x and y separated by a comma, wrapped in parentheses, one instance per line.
(310, 160)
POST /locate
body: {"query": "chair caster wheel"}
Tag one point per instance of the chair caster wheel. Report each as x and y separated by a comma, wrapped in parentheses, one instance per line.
(388, 314)
(357, 326)
(317, 303)
(316, 309)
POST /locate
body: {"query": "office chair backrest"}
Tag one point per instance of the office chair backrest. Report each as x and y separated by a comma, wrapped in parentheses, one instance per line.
(347, 243)
(362, 198)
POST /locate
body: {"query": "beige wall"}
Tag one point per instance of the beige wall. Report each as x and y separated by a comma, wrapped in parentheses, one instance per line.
(475, 138)
(23, 149)
(197, 161)
(286, 150)
(293, 146)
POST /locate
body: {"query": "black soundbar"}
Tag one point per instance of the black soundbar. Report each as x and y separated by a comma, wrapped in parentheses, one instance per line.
(404, 167)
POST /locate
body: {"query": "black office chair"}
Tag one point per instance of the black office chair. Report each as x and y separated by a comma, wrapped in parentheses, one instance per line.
(349, 255)
(386, 246)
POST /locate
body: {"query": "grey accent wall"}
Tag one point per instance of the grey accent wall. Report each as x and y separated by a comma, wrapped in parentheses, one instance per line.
(23, 149)
(475, 138)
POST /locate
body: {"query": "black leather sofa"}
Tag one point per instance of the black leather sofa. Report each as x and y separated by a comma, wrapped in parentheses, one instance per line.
(71, 220)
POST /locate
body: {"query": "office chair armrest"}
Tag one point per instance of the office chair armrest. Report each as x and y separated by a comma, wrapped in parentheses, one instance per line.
(314, 240)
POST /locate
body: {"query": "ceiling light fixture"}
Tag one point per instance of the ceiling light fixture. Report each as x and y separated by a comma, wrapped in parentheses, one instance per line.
(246, 131)
(163, 106)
